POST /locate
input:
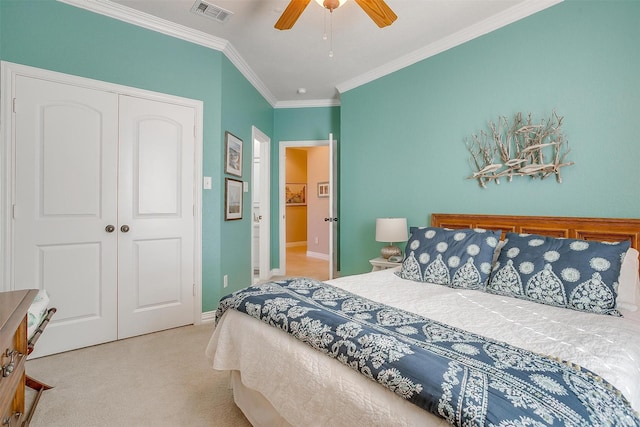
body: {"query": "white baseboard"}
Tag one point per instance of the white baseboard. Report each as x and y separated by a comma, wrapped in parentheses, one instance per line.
(318, 255)
(208, 317)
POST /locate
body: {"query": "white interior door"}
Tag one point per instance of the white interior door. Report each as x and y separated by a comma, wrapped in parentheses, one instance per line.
(66, 183)
(155, 216)
(261, 194)
(333, 208)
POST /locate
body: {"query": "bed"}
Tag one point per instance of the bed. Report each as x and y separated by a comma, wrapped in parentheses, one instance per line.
(279, 380)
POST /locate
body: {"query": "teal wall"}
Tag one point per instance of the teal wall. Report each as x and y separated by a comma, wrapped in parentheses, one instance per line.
(242, 107)
(580, 58)
(296, 124)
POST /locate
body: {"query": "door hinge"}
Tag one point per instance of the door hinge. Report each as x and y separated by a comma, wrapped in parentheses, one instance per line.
(194, 289)
(13, 105)
(13, 211)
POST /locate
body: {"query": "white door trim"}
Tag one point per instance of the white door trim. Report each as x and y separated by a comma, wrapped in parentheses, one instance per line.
(281, 196)
(8, 73)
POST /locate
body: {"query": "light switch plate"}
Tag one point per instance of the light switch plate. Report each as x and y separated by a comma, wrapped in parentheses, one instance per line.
(206, 183)
(245, 186)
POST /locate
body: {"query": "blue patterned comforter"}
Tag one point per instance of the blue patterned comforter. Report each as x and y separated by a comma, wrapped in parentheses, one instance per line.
(462, 377)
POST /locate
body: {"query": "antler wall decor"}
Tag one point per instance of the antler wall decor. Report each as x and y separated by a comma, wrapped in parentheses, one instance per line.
(520, 149)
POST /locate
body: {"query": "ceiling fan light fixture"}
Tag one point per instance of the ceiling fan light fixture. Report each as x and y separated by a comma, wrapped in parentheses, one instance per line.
(331, 4)
(377, 10)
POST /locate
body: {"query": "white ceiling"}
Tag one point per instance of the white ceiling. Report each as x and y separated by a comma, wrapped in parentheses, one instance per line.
(278, 63)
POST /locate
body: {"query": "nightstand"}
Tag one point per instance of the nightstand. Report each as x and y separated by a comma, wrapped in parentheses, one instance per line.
(382, 264)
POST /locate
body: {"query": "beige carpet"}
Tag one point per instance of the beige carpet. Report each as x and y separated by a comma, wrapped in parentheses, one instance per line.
(160, 379)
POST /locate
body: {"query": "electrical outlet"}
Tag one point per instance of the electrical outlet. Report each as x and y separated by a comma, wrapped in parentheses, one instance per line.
(225, 281)
(316, 240)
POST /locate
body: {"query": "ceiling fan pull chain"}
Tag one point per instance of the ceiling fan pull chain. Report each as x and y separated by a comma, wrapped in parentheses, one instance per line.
(324, 24)
(331, 34)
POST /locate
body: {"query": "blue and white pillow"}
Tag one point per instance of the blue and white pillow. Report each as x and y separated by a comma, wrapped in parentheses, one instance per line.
(577, 274)
(455, 258)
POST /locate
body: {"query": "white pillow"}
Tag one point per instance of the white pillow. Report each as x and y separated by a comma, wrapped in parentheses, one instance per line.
(496, 253)
(629, 282)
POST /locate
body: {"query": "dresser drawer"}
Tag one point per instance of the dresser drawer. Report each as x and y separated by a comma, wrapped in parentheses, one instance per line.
(13, 347)
(12, 386)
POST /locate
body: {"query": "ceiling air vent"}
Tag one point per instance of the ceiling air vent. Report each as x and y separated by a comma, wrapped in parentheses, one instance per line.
(211, 11)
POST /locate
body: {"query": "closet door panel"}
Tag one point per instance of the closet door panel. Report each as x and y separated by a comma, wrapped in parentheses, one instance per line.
(66, 148)
(156, 196)
(156, 286)
(158, 153)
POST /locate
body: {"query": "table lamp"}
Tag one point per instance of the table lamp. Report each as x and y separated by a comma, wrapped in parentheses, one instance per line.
(391, 230)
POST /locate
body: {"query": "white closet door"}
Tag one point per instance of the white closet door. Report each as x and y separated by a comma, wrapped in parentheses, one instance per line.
(66, 148)
(155, 216)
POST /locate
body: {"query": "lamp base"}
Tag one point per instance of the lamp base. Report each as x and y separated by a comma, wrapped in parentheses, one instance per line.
(390, 250)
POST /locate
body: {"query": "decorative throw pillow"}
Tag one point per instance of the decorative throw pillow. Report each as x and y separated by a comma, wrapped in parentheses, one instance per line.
(577, 274)
(457, 258)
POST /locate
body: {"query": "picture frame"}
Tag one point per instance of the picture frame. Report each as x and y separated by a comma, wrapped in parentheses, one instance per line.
(323, 189)
(232, 199)
(295, 194)
(232, 154)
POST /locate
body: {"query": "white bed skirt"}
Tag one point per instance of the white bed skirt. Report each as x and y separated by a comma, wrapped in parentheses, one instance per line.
(254, 405)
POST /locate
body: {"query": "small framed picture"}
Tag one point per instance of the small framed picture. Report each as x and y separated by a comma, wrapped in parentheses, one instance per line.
(323, 189)
(233, 154)
(295, 194)
(232, 199)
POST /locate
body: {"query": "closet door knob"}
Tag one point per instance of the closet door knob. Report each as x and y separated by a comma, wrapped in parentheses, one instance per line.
(124, 228)
(109, 228)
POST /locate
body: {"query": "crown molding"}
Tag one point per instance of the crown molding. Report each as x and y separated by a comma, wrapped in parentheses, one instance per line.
(234, 56)
(308, 103)
(490, 24)
(150, 22)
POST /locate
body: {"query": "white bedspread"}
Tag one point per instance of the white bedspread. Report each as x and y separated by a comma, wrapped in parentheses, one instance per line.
(309, 388)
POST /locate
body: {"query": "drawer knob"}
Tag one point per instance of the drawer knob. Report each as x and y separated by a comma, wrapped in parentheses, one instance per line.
(9, 367)
(6, 421)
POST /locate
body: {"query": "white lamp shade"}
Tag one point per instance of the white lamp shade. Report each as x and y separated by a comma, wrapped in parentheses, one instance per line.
(391, 230)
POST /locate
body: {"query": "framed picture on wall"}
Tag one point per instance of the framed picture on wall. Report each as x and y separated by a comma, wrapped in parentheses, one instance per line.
(295, 194)
(232, 154)
(323, 189)
(232, 199)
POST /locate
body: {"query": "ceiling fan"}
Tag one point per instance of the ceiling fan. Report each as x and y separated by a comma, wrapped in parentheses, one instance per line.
(377, 10)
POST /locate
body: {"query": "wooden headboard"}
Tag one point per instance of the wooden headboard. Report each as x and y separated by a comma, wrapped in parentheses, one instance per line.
(602, 229)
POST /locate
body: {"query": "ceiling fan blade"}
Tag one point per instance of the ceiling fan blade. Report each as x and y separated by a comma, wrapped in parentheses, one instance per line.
(378, 10)
(291, 14)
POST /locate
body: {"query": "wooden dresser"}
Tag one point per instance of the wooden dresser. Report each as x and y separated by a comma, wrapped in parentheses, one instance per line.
(13, 347)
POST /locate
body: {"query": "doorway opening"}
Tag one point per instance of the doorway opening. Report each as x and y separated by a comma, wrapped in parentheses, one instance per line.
(306, 244)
